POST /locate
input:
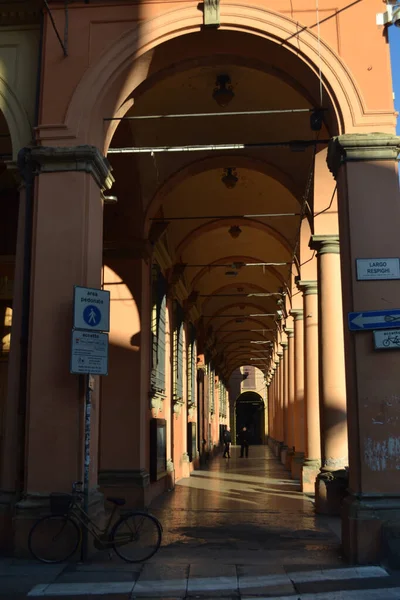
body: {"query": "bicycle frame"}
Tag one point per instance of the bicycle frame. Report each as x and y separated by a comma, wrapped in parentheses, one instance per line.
(100, 535)
(95, 531)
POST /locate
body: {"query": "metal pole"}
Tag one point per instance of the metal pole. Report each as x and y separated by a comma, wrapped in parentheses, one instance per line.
(297, 145)
(196, 218)
(86, 472)
(216, 114)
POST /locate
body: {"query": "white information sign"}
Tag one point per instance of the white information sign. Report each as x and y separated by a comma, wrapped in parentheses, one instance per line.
(378, 268)
(387, 339)
(91, 309)
(89, 353)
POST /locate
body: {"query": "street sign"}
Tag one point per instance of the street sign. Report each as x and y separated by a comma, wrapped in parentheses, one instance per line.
(89, 352)
(387, 340)
(374, 319)
(91, 309)
(377, 268)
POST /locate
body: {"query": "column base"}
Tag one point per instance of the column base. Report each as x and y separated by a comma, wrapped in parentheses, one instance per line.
(289, 459)
(330, 490)
(275, 446)
(278, 449)
(131, 484)
(371, 530)
(185, 465)
(283, 453)
(309, 474)
(7, 504)
(297, 465)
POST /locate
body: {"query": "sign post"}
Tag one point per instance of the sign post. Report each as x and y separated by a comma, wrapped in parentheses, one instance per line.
(86, 471)
(89, 356)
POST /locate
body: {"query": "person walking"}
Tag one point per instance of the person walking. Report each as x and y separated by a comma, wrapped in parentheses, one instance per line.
(244, 442)
(227, 438)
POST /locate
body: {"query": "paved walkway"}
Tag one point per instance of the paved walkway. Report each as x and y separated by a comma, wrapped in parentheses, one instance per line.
(238, 529)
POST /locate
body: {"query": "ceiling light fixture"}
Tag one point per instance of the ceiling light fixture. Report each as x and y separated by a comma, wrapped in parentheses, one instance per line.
(230, 178)
(223, 93)
(234, 231)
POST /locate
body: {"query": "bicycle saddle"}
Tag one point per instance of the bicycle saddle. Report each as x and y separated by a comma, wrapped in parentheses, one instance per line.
(117, 501)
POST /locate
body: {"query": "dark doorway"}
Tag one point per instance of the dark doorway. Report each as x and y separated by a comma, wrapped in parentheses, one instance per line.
(250, 414)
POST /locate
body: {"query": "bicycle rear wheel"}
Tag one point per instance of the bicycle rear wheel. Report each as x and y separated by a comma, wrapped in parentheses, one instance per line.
(136, 537)
(54, 539)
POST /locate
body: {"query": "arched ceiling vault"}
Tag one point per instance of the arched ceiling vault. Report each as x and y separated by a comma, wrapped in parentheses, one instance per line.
(213, 231)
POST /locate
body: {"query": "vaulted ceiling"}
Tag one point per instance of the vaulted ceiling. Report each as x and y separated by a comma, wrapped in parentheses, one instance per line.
(235, 280)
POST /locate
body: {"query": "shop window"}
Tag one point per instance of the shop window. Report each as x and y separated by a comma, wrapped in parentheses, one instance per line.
(5, 331)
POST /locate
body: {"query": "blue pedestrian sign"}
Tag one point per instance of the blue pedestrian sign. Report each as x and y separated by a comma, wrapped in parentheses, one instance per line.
(92, 315)
(91, 309)
(374, 319)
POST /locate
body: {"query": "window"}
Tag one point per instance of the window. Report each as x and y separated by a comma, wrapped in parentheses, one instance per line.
(191, 367)
(178, 354)
(212, 389)
(159, 307)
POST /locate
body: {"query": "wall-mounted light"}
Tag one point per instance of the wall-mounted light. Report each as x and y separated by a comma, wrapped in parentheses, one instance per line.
(231, 273)
(230, 178)
(223, 93)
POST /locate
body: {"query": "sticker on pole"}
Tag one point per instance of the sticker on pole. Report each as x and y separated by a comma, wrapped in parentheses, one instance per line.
(89, 353)
(91, 309)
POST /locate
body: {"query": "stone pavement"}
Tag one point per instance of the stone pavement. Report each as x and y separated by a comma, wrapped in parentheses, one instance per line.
(239, 529)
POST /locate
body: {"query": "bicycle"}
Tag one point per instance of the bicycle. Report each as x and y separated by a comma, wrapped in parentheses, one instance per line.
(135, 537)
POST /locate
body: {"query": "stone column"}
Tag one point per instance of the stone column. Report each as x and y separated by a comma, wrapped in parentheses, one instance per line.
(281, 403)
(123, 469)
(278, 412)
(365, 168)
(299, 404)
(273, 406)
(284, 361)
(312, 461)
(291, 392)
(67, 250)
(331, 482)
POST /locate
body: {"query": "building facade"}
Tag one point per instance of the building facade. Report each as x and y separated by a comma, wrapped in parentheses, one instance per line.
(219, 168)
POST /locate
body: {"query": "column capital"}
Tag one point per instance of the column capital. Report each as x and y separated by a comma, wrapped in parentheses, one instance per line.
(325, 244)
(308, 287)
(88, 159)
(276, 363)
(283, 345)
(290, 332)
(352, 147)
(279, 354)
(297, 314)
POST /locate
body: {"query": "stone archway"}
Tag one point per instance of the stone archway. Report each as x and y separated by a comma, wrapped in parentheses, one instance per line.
(107, 86)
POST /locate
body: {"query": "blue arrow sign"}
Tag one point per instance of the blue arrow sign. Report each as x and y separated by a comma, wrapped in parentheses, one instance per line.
(374, 319)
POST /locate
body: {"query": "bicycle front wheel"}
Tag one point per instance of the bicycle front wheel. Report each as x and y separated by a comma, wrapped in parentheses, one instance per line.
(54, 539)
(136, 537)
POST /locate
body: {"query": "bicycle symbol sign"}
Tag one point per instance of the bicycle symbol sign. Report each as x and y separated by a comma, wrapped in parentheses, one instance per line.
(388, 339)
